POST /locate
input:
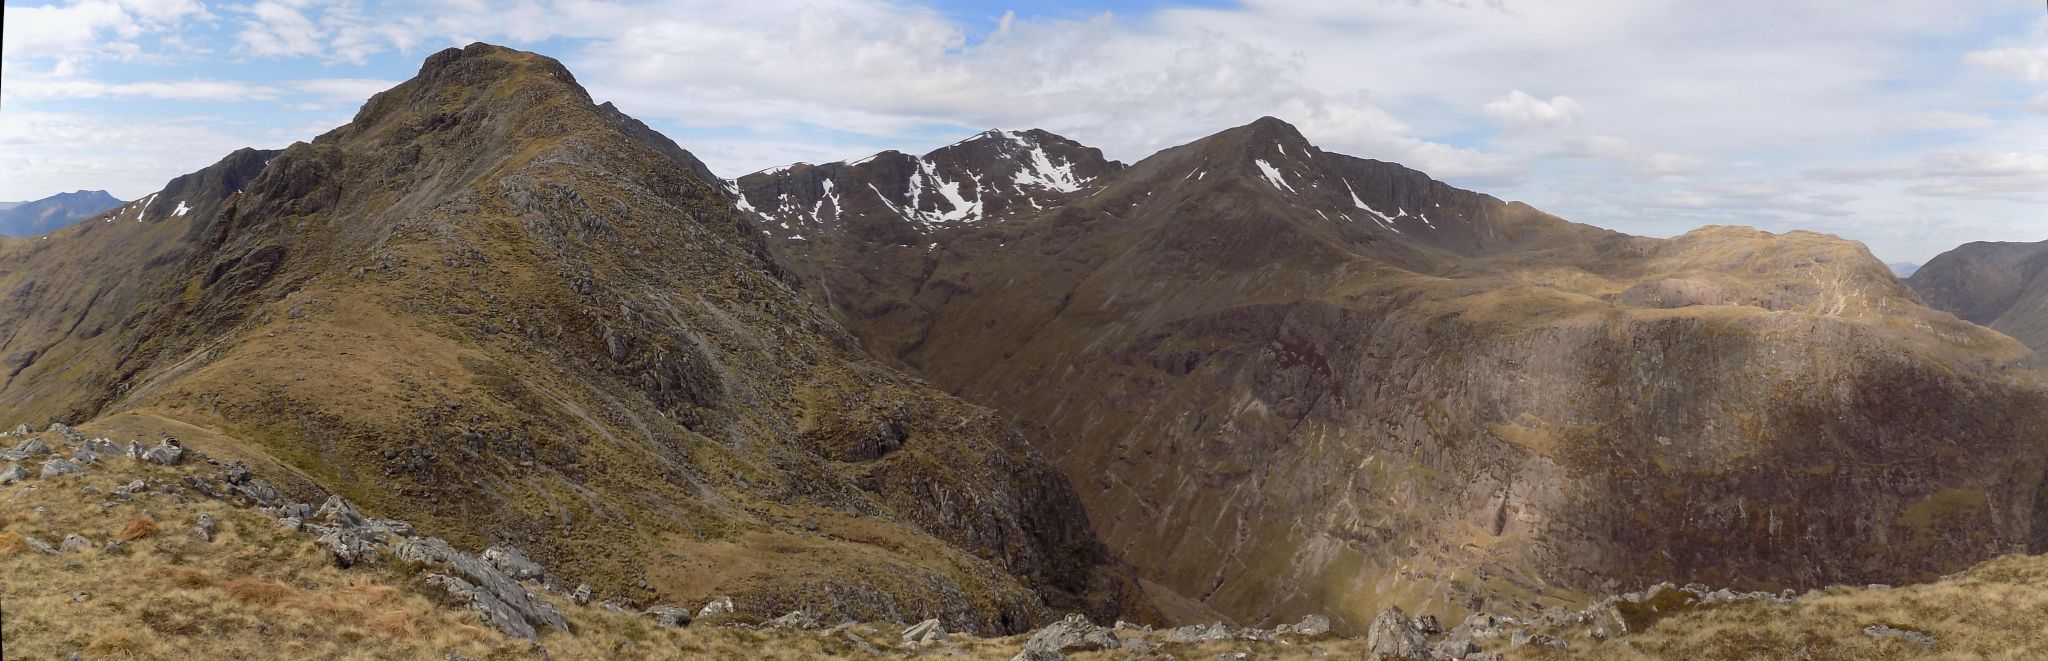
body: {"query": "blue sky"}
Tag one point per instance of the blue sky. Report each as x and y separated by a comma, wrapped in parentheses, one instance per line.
(1909, 125)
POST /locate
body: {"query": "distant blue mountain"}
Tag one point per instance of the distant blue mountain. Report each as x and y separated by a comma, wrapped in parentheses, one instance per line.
(62, 209)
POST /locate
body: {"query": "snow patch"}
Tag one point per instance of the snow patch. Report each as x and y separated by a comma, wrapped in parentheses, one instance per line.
(181, 210)
(1273, 175)
(145, 206)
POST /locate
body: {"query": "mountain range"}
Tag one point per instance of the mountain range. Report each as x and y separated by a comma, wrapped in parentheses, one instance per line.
(1243, 379)
(55, 211)
(1289, 381)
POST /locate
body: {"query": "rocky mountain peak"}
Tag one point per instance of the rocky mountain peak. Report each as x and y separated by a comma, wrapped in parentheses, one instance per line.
(898, 198)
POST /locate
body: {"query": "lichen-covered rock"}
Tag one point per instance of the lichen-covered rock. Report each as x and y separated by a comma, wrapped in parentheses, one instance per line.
(61, 466)
(75, 544)
(1073, 634)
(437, 554)
(716, 606)
(65, 432)
(14, 473)
(796, 619)
(581, 595)
(1394, 636)
(1523, 638)
(917, 633)
(1314, 625)
(668, 615)
(1196, 633)
(167, 452)
(348, 547)
(1882, 631)
(204, 528)
(515, 564)
(32, 447)
(494, 611)
(39, 545)
(339, 513)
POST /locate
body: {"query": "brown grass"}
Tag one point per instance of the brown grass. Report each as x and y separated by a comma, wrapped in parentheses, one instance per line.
(11, 543)
(137, 528)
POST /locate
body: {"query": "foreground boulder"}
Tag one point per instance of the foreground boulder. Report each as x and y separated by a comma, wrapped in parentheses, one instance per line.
(501, 600)
(1395, 637)
(1073, 634)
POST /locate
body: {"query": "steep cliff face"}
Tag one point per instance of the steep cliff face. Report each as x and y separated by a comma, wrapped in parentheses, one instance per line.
(2001, 285)
(512, 316)
(1289, 381)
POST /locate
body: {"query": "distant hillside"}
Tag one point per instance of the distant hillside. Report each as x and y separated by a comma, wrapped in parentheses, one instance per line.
(1903, 269)
(1998, 284)
(32, 218)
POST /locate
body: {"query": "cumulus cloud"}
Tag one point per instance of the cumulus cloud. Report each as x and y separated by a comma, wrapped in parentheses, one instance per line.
(1517, 111)
(90, 29)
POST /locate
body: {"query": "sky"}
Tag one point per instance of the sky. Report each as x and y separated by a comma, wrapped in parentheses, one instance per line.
(1910, 125)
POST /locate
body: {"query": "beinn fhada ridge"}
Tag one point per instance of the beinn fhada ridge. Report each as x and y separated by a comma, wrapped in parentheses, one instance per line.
(494, 369)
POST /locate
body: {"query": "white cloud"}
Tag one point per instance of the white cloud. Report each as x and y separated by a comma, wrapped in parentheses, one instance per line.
(90, 29)
(51, 152)
(187, 90)
(1956, 173)
(2023, 63)
(1517, 111)
(324, 92)
(1944, 120)
(1636, 157)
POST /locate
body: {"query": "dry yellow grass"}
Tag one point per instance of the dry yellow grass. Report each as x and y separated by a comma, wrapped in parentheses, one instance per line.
(258, 591)
(137, 528)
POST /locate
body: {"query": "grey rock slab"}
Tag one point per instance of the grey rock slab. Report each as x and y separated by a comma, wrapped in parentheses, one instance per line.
(668, 615)
(515, 564)
(438, 554)
(1394, 636)
(1882, 631)
(1072, 634)
(61, 466)
(494, 611)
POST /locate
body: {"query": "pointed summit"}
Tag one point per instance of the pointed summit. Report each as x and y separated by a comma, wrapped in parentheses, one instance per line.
(895, 198)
